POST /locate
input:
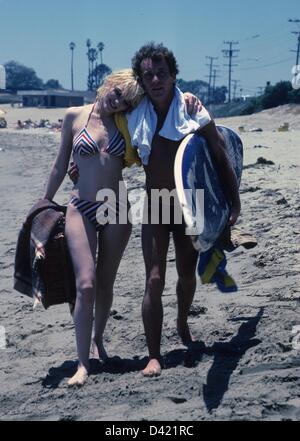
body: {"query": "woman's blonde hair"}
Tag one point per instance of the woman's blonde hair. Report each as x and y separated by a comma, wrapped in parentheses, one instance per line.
(125, 79)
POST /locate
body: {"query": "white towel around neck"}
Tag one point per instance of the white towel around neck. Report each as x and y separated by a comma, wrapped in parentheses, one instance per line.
(142, 123)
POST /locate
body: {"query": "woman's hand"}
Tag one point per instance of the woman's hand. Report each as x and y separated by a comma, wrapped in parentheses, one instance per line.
(193, 104)
(73, 172)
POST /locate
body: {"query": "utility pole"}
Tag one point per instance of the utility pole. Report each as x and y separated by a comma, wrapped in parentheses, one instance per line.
(298, 39)
(229, 53)
(235, 82)
(298, 48)
(210, 75)
(2, 78)
(214, 76)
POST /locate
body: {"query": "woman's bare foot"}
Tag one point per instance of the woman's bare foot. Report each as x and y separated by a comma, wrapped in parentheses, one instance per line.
(79, 378)
(153, 368)
(98, 351)
(185, 333)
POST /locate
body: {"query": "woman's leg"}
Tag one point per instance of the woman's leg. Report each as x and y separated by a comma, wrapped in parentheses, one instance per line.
(112, 243)
(82, 242)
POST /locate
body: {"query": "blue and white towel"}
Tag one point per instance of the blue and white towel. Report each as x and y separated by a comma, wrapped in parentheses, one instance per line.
(142, 123)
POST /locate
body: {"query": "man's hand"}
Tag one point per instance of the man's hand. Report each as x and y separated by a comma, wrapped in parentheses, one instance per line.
(193, 104)
(73, 172)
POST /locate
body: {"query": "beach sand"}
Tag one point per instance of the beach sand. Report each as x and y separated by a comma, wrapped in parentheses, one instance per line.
(245, 364)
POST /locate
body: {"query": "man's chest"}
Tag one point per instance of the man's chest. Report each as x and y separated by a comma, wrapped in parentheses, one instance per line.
(164, 148)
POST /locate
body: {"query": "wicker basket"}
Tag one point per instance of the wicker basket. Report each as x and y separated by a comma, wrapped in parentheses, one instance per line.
(56, 270)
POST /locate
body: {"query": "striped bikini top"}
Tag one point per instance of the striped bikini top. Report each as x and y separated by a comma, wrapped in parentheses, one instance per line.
(85, 145)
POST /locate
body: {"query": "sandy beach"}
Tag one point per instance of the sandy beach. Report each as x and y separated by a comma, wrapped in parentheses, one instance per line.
(245, 364)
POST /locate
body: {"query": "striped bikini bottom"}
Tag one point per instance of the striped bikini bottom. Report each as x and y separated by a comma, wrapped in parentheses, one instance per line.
(89, 210)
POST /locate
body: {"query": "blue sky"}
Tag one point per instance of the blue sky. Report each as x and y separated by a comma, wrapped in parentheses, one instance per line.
(37, 33)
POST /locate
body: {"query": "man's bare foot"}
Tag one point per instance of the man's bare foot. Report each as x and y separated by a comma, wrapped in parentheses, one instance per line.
(79, 378)
(153, 368)
(98, 351)
(185, 333)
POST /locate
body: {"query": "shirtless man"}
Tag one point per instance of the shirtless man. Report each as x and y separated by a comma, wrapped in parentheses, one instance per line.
(155, 68)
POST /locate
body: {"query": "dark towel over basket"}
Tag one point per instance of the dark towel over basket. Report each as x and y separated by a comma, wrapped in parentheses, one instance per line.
(56, 270)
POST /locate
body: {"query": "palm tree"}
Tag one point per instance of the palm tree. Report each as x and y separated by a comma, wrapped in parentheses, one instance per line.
(100, 72)
(88, 45)
(100, 47)
(93, 58)
(72, 47)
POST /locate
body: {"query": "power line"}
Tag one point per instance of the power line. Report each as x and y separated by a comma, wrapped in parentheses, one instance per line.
(265, 65)
(263, 40)
(265, 36)
(261, 90)
(270, 58)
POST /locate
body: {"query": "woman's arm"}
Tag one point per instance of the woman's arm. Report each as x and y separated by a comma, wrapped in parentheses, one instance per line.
(193, 104)
(60, 165)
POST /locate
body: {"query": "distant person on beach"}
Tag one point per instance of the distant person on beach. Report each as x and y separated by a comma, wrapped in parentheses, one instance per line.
(155, 68)
(91, 133)
(19, 124)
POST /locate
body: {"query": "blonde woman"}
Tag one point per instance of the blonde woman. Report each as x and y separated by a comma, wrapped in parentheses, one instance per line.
(90, 134)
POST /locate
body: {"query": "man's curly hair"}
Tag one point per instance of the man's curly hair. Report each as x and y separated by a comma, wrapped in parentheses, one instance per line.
(154, 51)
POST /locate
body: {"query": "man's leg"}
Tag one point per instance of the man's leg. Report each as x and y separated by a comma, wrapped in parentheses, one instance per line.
(186, 261)
(155, 243)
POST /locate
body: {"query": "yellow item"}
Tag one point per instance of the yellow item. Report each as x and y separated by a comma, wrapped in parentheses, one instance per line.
(131, 155)
(284, 127)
